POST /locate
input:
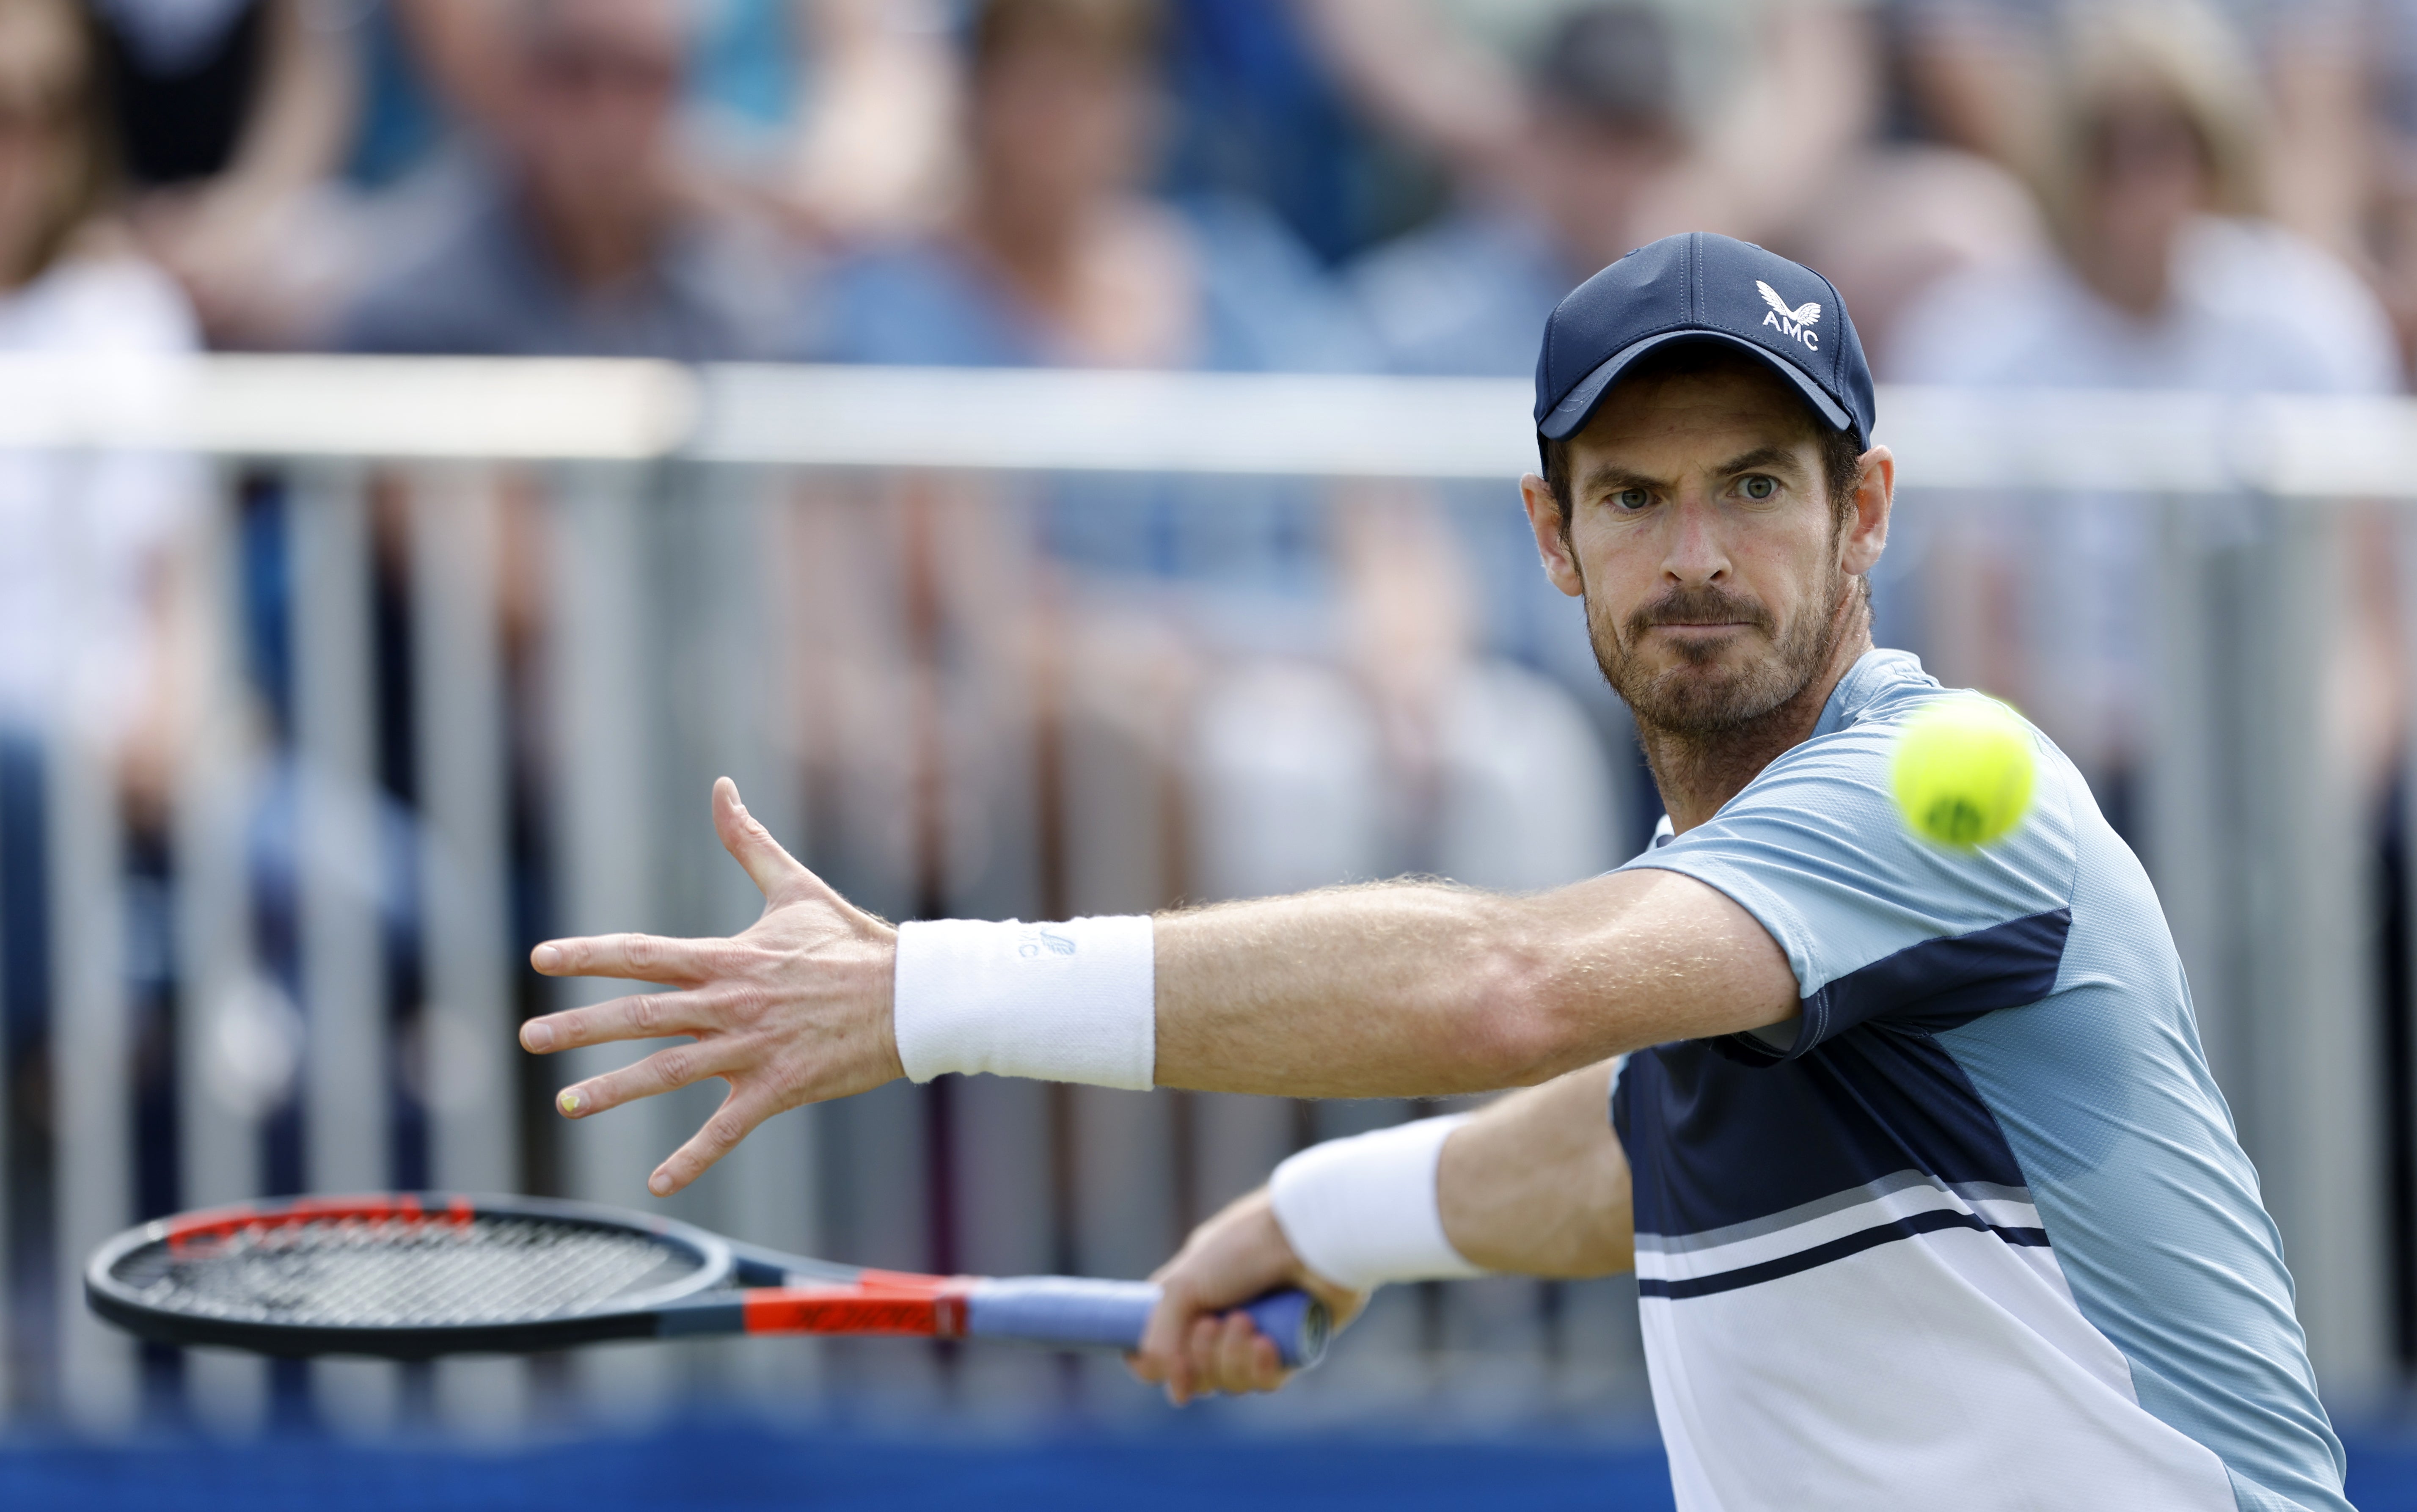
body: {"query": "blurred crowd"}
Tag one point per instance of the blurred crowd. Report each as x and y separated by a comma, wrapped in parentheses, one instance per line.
(1303, 184)
(2150, 193)
(2144, 193)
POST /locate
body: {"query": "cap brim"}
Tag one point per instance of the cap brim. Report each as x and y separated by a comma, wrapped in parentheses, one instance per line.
(1578, 405)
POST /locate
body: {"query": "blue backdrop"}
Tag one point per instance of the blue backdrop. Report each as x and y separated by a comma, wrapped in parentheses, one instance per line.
(734, 1469)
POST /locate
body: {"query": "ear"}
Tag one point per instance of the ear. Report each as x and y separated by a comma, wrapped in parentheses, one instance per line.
(1544, 519)
(1874, 495)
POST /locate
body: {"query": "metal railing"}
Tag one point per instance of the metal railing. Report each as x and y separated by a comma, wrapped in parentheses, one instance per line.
(584, 589)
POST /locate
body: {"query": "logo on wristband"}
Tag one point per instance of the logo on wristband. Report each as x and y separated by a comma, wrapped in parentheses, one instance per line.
(1031, 942)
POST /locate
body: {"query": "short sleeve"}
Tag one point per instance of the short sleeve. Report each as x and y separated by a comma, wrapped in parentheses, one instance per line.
(1878, 924)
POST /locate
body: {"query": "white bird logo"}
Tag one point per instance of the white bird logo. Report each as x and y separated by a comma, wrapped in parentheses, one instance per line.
(1805, 315)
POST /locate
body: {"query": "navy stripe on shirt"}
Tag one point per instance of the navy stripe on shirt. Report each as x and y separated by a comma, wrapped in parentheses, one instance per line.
(1714, 1141)
(1941, 982)
(1836, 1249)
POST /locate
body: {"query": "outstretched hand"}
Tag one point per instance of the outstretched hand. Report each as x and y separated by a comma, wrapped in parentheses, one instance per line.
(794, 1010)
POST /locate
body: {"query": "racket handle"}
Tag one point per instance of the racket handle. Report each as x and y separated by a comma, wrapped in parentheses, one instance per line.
(1075, 1310)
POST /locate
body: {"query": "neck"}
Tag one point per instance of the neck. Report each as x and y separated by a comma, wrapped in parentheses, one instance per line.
(598, 244)
(1031, 240)
(1697, 774)
(2136, 280)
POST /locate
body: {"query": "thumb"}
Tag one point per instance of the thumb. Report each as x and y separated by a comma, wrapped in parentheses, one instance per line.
(775, 873)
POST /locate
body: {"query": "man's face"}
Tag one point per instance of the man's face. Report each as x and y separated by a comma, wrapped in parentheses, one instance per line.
(1715, 572)
(1592, 177)
(1059, 123)
(2149, 175)
(598, 82)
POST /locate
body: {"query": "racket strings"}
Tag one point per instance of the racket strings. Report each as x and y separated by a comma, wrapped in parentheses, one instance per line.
(401, 1272)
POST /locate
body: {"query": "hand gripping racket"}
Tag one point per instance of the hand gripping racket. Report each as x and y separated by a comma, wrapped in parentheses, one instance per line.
(411, 1276)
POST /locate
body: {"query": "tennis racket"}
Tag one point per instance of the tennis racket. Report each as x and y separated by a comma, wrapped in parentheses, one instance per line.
(410, 1276)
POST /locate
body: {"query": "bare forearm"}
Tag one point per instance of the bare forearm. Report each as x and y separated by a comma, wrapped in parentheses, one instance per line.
(1538, 1184)
(1413, 989)
(1399, 989)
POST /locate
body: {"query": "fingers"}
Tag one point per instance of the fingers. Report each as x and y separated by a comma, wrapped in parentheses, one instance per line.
(1195, 1353)
(1162, 1358)
(1190, 1344)
(1226, 1352)
(1266, 1366)
(623, 1018)
(775, 873)
(664, 1071)
(1245, 1361)
(738, 1115)
(638, 957)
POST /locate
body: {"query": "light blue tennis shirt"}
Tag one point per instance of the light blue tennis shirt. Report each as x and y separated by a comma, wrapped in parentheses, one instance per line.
(1975, 1231)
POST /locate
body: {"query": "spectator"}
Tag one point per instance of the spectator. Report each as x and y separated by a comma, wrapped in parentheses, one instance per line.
(2391, 90)
(229, 115)
(1606, 127)
(84, 549)
(2167, 276)
(578, 237)
(1055, 255)
(1771, 93)
(1979, 75)
(834, 115)
(86, 542)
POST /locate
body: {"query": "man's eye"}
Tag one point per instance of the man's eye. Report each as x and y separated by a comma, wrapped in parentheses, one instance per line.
(1759, 487)
(1630, 499)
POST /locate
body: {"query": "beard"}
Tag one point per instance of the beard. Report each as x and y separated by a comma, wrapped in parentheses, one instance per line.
(1700, 700)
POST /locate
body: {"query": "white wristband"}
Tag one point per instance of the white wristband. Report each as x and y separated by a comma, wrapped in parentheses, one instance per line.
(1363, 1211)
(1075, 1001)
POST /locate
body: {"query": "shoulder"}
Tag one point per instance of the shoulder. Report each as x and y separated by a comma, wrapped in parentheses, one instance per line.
(903, 264)
(1985, 325)
(2315, 325)
(442, 289)
(914, 300)
(1269, 303)
(1232, 229)
(741, 293)
(1817, 848)
(1470, 293)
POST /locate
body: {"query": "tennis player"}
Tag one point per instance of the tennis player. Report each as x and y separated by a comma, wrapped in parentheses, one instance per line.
(1930, 1196)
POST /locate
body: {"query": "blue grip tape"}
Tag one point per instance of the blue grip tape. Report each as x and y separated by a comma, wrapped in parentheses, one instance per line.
(1079, 1312)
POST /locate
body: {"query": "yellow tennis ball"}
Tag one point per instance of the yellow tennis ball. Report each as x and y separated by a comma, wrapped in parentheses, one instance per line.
(1963, 771)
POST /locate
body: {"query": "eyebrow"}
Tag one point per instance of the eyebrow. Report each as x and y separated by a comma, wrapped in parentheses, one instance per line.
(1762, 456)
(1608, 475)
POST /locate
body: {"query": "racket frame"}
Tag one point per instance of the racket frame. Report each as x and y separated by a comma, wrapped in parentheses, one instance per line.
(737, 1287)
(637, 1315)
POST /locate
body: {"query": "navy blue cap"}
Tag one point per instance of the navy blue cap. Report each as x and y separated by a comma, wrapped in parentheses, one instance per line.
(1695, 287)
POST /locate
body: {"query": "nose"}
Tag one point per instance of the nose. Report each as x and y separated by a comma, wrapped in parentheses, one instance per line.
(1694, 555)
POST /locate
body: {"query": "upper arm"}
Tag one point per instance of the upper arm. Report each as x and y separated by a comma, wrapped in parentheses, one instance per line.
(1643, 957)
(1536, 1183)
